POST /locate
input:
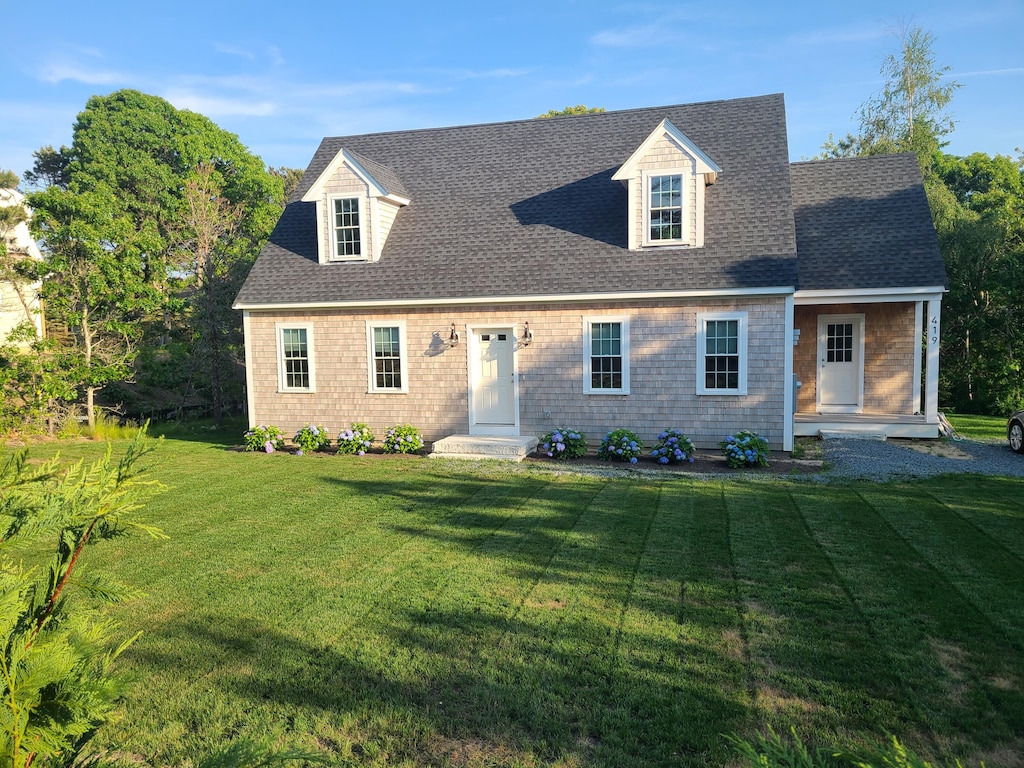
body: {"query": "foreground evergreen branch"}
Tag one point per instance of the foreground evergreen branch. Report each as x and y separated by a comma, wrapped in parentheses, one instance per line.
(57, 682)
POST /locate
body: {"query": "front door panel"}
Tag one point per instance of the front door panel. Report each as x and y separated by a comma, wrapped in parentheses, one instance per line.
(494, 402)
(840, 363)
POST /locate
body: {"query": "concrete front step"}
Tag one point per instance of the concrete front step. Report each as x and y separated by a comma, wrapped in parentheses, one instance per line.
(483, 447)
(851, 434)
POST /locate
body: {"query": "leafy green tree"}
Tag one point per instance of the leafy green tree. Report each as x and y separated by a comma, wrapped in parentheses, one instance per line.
(981, 232)
(579, 109)
(115, 221)
(290, 177)
(57, 677)
(910, 113)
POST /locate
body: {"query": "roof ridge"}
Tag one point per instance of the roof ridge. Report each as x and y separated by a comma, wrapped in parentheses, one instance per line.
(557, 118)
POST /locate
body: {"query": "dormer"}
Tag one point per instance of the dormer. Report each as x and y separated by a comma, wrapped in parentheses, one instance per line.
(357, 200)
(666, 177)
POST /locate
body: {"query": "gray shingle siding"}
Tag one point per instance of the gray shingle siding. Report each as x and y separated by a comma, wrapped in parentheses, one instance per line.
(529, 209)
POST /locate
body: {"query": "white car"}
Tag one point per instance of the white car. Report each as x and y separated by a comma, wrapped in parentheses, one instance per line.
(1015, 431)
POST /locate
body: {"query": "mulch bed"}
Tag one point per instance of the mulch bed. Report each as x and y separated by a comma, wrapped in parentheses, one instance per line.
(779, 463)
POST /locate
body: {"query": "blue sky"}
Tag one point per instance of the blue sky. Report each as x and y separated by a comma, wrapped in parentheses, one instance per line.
(283, 75)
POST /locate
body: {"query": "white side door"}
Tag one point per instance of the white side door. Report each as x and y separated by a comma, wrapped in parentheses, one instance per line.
(840, 363)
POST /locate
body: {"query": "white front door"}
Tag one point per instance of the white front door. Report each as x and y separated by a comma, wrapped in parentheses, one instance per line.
(492, 404)
(840, 363)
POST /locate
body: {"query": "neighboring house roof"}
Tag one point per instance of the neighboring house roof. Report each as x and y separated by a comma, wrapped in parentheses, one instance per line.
(864, 223)
(530, 209)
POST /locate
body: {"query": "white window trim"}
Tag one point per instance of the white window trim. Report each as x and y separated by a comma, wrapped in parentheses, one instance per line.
(364, 224)
(686, 183)
(702, 321)
(282, 379)
(588, 322)
(371, 368)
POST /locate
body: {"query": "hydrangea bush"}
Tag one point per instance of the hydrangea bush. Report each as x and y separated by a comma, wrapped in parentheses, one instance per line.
(357, 439)
(620, 445)
(745, 449)
(673, 447)
(403, 438)
(267, 439)
(563, 444)
(311, 438)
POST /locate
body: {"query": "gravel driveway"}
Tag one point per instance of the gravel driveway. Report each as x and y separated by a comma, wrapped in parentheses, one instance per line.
(878, 460)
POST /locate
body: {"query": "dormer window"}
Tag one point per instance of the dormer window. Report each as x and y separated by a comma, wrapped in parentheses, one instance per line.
(357, 200)
(665, 208)
(665, 178)
(347, 240)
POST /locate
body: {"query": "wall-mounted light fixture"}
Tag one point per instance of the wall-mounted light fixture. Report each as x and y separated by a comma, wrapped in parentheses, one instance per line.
(527, 336)
(453, 337)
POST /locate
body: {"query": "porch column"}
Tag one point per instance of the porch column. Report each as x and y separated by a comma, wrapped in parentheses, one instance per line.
(919, 354)
(931, 382)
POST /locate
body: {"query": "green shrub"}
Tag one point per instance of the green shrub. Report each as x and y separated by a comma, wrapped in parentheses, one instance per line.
(403, 438)
(311, 438)
(357, 439)
(620, 445)
(563, 444)
(745, 449)
(266, 439)
(673, 447)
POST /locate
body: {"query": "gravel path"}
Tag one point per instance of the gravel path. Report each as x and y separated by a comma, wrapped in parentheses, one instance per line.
(877, 460)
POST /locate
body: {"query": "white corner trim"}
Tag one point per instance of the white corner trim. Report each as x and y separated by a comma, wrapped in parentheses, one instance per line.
(789, 388)
(250, 388)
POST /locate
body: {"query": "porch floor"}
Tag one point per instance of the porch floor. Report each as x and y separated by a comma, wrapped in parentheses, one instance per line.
(887, 424)
(483, 447)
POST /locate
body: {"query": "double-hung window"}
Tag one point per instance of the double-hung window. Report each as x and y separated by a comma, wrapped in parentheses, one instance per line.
(722, 353)
(348, 242)
(606, 360)
(664, 208)
(295, 357)
(388, 371)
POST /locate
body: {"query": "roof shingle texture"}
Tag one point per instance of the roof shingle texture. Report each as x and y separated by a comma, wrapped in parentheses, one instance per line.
(529, 209)
(864, 222)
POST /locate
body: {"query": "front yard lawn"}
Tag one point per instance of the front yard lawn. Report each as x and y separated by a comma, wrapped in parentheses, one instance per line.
(406, 611)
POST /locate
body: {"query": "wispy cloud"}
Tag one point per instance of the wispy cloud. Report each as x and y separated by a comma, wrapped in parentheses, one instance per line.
(989, 72)
(234, 50)
(58, 72)
(631, 37)
(219, 106)
(859, 33)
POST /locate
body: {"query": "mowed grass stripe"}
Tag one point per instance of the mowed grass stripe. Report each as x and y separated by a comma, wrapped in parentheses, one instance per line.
(923, 627)
(814, 662)
(985, 574)
(994, 504)
(681, 677)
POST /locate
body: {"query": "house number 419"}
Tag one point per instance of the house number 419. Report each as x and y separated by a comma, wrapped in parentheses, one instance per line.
(933, 336)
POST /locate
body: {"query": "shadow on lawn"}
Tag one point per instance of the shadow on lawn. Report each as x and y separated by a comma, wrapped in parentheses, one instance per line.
(432, 687)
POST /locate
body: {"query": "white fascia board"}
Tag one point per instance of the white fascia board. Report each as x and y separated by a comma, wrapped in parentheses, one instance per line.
(343, 158)
(720, 293)
(870, 295)
(704, 163)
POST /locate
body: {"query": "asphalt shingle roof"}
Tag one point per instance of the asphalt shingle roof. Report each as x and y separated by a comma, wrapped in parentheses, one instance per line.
(864, 222)
(529, 209)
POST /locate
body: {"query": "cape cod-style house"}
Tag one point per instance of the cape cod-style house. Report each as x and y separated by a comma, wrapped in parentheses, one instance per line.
(649, 268)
